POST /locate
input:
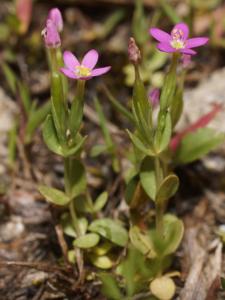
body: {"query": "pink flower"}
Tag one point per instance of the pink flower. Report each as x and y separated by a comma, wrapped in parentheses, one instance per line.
(84, 70)
(154, 97)
(56, 17)
(51, 35)
(178, 40)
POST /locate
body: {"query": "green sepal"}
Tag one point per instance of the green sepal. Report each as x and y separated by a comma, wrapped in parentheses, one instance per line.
(54, 196)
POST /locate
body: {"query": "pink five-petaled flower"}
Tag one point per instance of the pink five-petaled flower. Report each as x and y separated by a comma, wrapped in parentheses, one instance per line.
(56, 17)
(178, 40)
(84, 70)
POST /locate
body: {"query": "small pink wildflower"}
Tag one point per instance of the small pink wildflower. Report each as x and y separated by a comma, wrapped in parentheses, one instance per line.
(84, 70)
(154, 97)
(51, 35)
(178, 40)
(56, 17)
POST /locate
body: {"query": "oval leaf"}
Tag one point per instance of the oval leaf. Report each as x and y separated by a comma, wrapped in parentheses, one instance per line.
(148, 178)
(167, 188)
(173, 232)
(142, 242)
(111, 230)
(100, 201)
(102, 262)
(86, 241)
(54, 196)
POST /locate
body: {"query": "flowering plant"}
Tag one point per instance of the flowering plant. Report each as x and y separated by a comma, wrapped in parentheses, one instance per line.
(156, 151)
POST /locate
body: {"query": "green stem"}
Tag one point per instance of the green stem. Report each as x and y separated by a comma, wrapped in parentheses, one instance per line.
(68, 192)
(158, 207)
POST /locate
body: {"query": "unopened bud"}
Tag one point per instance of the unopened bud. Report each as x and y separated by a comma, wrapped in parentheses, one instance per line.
(133, 51)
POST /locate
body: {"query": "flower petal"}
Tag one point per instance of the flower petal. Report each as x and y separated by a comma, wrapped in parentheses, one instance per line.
(160, 35)
(196, 42)
(68, 73)
(90, 59)
(184, 28)
(164, 47)
(100, 71)
(70, 60)
(188, 51)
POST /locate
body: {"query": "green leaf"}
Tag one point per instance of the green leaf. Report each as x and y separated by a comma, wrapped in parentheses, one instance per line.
(76, 176)
(54, 196)
(103, 124)
(118, 106)
(35, 119)
(130, 189)
(170, 11)
(139, 23)
(73, 150)
(96, 150)
(10, 77)
(167, 188)
(110, 288)
(140, 146)
(148, 177)
(101, 262)
(142, 242)
(50, 136)
(196, 144)
(164, 131)
(25, 97)
(100, 201)
(87, 241)
(67, 225)
(173, 230)
(111, 230)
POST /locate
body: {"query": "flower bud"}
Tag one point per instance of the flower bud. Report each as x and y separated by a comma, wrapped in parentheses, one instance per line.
(51, 35)
(154, 97)
(133, 51)
(185, 60)
(56, 17)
